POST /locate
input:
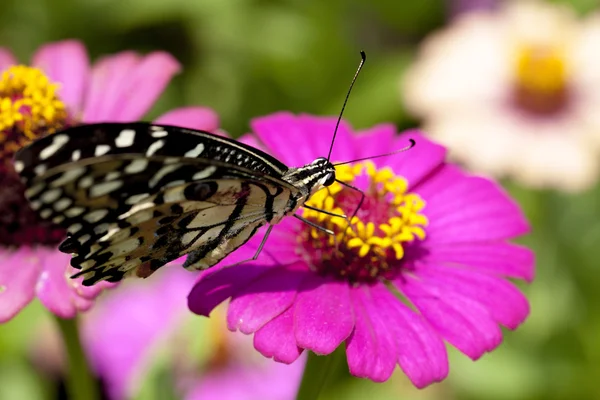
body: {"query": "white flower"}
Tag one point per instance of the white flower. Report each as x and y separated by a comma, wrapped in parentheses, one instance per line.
(515, 93)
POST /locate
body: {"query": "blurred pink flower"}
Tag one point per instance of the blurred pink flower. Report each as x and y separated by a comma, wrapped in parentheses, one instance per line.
(134, 323)
(427, 235)
(457, 7)
(514, 93)
(59, 90)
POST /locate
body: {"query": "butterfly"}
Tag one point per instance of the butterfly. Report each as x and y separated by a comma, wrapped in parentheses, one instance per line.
(135, 196)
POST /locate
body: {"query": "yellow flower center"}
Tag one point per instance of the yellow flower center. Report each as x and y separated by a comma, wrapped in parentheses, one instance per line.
(29, 108)
(541, 77)
(389, 221)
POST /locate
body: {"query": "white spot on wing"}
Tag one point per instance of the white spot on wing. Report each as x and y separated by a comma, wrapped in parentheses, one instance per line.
(104, 188)
(158, 132)
(162, 173)
(74, 211)
(205, 173)
(86, 182)
(76, 155)
(45, 213)
(95, 216)
(111, 176)
(153, 148)
(51, 195)
(125, 138)
(136, 198)
(136, 166)
(136, 208)
(19, 165)
(68, 176)
(196, 151)
(57, 142)
(101, 149)
(62, 204)
(40, 169)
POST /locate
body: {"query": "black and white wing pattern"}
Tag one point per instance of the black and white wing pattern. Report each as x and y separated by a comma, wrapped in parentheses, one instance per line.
(134, 196)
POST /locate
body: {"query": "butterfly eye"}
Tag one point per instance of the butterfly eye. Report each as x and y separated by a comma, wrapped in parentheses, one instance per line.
(329, 179)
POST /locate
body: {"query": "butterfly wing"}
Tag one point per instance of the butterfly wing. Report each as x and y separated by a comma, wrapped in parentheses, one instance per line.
(130, 207)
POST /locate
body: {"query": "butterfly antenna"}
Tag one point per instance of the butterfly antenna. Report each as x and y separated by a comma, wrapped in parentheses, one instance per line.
(410, 146)
(363, 58)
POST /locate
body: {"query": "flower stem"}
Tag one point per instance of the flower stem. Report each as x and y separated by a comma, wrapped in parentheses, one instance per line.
(317, 373)
(80, 382)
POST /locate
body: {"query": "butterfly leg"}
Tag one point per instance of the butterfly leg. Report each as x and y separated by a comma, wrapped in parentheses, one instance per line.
(360, 203)
(325, 212)
(258, 250)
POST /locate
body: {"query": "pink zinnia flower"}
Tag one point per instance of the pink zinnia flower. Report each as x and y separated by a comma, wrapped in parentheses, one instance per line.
(136, 325)
(61, 89)
(426, 261)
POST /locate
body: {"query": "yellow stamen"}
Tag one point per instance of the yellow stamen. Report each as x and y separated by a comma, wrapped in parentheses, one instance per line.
(29, 106)
(405, 224)
(541, 69)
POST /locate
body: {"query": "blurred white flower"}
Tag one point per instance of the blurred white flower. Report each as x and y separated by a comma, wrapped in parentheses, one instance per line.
(515, 93)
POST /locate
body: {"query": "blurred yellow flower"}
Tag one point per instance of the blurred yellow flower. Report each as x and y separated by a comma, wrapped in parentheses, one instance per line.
(515, 92)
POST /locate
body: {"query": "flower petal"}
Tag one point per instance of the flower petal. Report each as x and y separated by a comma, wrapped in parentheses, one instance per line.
(55, 289)
(7, 59)
(276, 339)
(19, 272)
(501, 258)
(66, 63)
(418, 162)
(264, 298)
(472, 209)
(298, 140)
(462, 321)
(202, 118)
(125, 86)
(370, 349)
(420, 350)
(375, 141)
(324, 317)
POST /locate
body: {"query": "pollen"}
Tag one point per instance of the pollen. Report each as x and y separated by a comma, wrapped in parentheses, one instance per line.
(389, 220)
(29, 108)
(541, 78)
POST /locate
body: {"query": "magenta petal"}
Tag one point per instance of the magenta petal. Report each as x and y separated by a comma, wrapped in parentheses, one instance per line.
(298, 140)
(125, 86)
(19, 272)
(370, 349)
(7, 59)
(501, 258)
(55, 290)
(462, 321)
(66, 63)
(324, 315)
(217, 285)
(418, 162)
(375, 141)
(473, 209)
(277, 340)
(264, 299)
(420, 350)
(505, 303)
(202, 118)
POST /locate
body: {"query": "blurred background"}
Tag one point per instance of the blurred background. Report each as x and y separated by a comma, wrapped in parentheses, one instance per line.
(246, 58)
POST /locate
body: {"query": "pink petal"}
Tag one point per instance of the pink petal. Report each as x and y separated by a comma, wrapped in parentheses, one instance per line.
(505, 259)
(66, 63)
(19, 271)
(371, 348)
(54, 287)
(504, 302)
(323, 318)
(417, 163)
(276, 339)
(298, 140)
(462, 321)
(7, 59)
(438, 181)
(264, 298)
(125, 86)
(375, 141)
(420, 350)
(217, 285)
(472, 209)
(202, 118)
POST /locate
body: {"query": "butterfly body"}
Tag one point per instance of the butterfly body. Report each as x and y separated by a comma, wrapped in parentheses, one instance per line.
(135, 196)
